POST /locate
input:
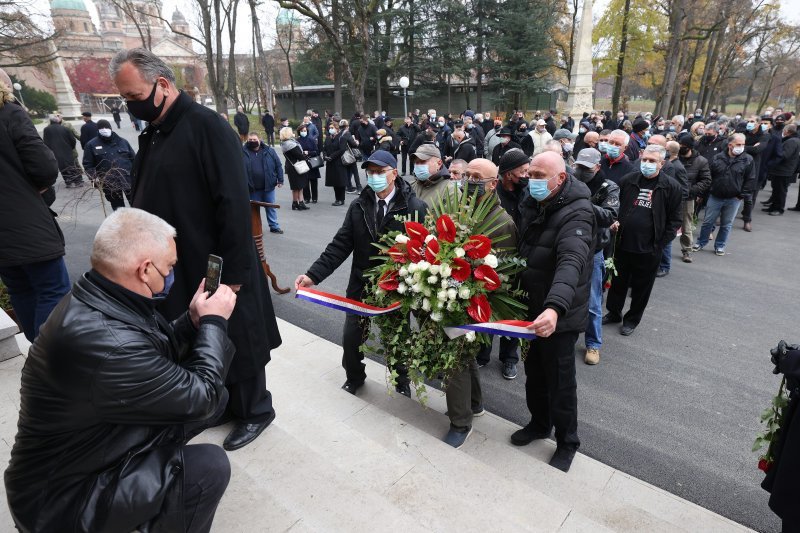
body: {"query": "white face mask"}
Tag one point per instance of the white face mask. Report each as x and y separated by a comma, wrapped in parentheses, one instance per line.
(104, 132)
(738, 150)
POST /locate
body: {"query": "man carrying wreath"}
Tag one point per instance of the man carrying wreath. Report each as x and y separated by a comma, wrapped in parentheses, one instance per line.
(369, 216)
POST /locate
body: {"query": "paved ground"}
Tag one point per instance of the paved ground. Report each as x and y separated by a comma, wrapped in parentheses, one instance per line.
(676, 404)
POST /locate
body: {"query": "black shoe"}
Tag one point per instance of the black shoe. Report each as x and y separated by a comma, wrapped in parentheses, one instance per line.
(481, 364)
(626, 330)
(662, 273)
(456, 438)
(562, 458)
(795, 208)
(279, 231)
(243, 434)
(353, 191)
(301, 206)
(608, 318)
(766, 202)
(509, 370)
(404, 389)
(350, 189)
(313, 201)
(352, 386)
(527, 435)
(775, 213)
(337, 203)
(768, 209)
(295, 206)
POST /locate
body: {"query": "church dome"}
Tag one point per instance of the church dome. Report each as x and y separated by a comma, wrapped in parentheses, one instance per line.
(177, 17)
(75, 5)
(287, 16)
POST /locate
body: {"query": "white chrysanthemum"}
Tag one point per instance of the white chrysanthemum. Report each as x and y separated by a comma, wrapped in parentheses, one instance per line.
(412, 267)
(445, 270)
(433, 280)
(470, 336)
(452, 294)
(409, 280)
(427, 292)
(428, 238)
(444, 283)
(463, 293)
(490, 260)
(379, 292)
(417, 276)
(459, 252)
(426, 304)
(403, 272)
(416, 288)
(402, 288)
(451, 306)
(402, 239)
(415, 304)
(423, 265)
(435, 269)
(436, 316)
(441, 296)
(439, 304)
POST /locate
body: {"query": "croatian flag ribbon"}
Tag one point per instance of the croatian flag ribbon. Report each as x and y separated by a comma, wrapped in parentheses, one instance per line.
(506, 328)
(341, 303)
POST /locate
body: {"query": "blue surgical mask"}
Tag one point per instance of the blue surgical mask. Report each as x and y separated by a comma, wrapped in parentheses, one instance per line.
(377, 182)
(672, 128)
(303, 133)
(750, 126)
(612, 151)
(648, 169)
(764, 127)
(421, 172)
(538, 189)
(603, 147)
(332, 131)
(169, 279)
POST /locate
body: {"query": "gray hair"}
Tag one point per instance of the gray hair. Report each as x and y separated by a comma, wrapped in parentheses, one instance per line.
(620, 133)
(713, 126)
(680, 118)
(791, 128)
(127, 237)
(553, 146)
(738, 136)
(656, 149)
(149, 65)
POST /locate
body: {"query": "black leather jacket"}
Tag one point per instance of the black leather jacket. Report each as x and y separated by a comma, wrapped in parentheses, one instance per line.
(106, 389)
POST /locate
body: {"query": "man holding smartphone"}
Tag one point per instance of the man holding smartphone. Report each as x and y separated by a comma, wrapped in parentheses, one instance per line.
(189, 171)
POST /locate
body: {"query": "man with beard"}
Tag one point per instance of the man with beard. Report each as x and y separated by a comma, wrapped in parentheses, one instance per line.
(189, 171)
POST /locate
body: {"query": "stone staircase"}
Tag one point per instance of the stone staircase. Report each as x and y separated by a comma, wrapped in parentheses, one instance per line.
(375, 462)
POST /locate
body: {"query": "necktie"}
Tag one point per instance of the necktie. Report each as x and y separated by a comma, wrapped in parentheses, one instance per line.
(379, 215)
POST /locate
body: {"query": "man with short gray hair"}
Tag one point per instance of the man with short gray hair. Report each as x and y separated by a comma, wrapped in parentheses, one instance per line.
(615, 164)
(111, 393)
(649, 217)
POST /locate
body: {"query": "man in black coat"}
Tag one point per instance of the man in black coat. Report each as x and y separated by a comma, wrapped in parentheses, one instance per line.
(407, 134)
(112, 392)
(698, 176)
(756, 142)
(190, 172)
(370, 215)
(367, 135)
(108, 160)
(782, 170)
(649, 217)
(269, 127)
(62, 143)
(32, 251)
(615, 164)
(242, 123)
(88, 130)
(556, 235)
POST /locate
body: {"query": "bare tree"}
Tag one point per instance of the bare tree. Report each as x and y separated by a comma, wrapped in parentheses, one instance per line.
(285, 41)
(22, 41)
(141, 18)
(262, 70)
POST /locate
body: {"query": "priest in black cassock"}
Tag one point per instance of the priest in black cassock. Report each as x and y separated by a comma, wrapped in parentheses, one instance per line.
(189, 172)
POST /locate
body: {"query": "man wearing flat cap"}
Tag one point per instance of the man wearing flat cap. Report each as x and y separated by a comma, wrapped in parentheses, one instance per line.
(567, 140)
(638, 140)
(369, 216)
(431, 177)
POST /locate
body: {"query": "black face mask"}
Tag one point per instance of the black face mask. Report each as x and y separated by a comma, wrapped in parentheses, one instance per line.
(683, 151)
(779, 125)
(146, 109)
(497, 128)
(253, 144)
(584, 174)
(473, 188)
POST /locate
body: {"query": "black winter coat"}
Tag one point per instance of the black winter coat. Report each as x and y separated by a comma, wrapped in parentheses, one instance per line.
(106, 389)
(61, 141)
(666, 206)
(268, 122)
(732, 177)
(785, 164)
(698, 174)
(407, 134)
(465, 150)
(709, 147)
(675, 170)
(477, 136)
(367, 136)
(89, 131)
(557, 239)
(617, 170)
(335, 171)
(605, 201)
(111, 160)
(28, 231)
(242, 123)
(751, 140)
(190, 172)
(358, 232)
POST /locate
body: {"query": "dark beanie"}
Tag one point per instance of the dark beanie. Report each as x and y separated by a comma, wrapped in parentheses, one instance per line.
(512, 159)
(686, 140)
(640, 125)
(103, 123)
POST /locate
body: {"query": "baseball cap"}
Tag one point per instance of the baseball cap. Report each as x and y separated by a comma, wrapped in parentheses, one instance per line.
(382, 158)
(588, 157)
(426, 151)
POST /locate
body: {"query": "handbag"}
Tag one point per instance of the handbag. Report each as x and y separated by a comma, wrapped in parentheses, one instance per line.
(301, 167)
(348, 157)
(316, 162)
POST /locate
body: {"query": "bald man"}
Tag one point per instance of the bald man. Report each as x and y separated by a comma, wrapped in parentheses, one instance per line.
(556, 234)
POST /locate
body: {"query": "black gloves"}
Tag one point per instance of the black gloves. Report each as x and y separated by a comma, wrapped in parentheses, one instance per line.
(779, 354)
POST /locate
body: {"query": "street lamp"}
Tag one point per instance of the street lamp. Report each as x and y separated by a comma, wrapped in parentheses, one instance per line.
(404, 86)
(18, 88)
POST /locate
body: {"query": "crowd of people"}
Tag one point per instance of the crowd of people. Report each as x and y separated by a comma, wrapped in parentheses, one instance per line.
(137, 357)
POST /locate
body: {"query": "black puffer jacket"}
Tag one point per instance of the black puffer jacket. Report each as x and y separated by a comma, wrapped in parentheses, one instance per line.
(698, 174)
(557, 239)
(666, 201)
(785, 165)
(732, 176)
(28, 231)
(605, 201)
(106, 389)
(358, 232)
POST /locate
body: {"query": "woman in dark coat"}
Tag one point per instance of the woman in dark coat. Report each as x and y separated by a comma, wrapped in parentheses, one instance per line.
(293, 153)
(336, 173)
(310, 149)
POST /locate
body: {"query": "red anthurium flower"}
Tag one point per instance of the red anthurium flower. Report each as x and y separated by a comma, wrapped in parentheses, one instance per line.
(460, 269)
(431, 249)
(764, 465)
(398, 253)
(479, 308)
(485, 273)
(478, 246)
(416, 250)
(446, 229)
(388, 281)
(416, 231)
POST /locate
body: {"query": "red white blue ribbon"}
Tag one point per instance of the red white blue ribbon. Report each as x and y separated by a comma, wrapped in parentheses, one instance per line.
(506, 328)
(341, 303)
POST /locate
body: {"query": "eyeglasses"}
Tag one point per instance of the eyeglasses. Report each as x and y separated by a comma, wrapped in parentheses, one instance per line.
(476, 178)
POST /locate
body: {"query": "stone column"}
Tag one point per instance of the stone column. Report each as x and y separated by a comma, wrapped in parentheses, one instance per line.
(579, 97)
(68, 105)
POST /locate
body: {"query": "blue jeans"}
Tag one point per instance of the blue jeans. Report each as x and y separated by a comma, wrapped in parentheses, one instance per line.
(666, 257)
(726, 210)
(594, 325)
(35, 289)
(272, 213)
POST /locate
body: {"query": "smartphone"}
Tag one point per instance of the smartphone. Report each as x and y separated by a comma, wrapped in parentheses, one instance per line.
(213, 273)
